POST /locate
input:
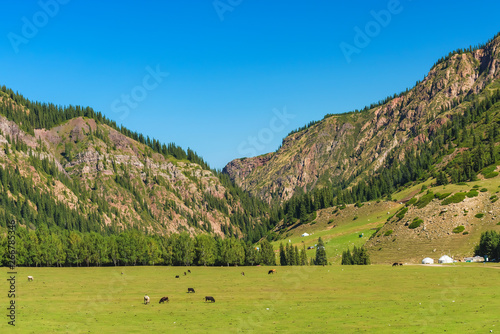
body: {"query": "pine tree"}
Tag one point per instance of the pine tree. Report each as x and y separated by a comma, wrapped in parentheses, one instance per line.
(303, 256)
(283, 260)
(297, 256)
(321, 258)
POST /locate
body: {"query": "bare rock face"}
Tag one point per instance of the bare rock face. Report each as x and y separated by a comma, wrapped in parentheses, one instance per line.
(340, 147)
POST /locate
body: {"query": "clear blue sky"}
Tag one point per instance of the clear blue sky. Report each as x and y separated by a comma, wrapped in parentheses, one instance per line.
(232, 68)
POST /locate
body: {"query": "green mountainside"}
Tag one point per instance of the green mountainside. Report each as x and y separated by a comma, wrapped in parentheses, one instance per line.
(71, 167)
(441, 117)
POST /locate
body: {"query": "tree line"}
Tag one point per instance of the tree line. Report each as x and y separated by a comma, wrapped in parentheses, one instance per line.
(63, 248)
(489, 245)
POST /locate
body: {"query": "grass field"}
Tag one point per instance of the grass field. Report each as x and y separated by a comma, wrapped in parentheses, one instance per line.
(331, 299)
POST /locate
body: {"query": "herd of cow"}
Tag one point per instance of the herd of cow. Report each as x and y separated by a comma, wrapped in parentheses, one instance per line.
(191, 290)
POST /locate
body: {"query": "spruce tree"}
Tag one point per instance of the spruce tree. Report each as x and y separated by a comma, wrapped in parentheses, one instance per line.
(320, 253)
(283, 261)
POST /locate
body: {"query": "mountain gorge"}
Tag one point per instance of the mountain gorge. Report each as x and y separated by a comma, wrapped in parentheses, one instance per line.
(71, 168)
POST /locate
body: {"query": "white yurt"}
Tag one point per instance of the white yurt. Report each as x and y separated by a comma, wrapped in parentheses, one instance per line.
(427, 260)
(445, 259)
(305, 234)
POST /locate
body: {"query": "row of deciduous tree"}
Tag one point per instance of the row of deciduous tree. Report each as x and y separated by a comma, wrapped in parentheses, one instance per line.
(58, 247)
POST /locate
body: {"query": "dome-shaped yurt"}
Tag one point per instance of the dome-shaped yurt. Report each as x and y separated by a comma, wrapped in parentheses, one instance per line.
(445, 259)
(427, 260)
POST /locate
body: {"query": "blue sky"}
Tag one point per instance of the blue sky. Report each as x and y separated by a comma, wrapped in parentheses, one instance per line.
(228, 78)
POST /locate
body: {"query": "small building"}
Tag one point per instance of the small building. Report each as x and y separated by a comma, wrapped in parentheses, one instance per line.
(428, 260)
(445, 259)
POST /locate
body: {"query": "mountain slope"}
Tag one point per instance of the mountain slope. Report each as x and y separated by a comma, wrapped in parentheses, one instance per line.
(341, 149)
(84, 173)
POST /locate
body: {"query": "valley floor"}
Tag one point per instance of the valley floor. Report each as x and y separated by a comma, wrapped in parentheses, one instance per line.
(332, 299)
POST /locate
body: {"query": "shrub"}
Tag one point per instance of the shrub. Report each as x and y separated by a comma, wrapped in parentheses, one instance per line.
(330, 221)
(479, 215)
(498, 223)
(483, 190)
(456, 198)
(424, 200)
(461, 184)
(465, 233)
(411, 201)
(475, 186)
(491, 175)
(359, 204)
(458, 229)
(401, 213)
(472, 193)
(415, 223)
(355, 217)
(441, 196)
(342, 207)
(388, 233)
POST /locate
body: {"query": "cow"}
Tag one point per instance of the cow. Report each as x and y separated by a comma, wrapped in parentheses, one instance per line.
(395, 264)
(191, 290)
(189, 271)
(185, 274)
(209, 299)
(146, 299)
(242, 273)
(30, 278)
(272, 271)
(163, 300)
(400, 263)
(176, 276)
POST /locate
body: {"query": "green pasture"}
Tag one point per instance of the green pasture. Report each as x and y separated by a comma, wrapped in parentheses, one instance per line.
(330, 299)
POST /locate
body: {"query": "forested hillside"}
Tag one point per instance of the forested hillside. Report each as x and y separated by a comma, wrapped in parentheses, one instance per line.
(72, 168)
(373, 151)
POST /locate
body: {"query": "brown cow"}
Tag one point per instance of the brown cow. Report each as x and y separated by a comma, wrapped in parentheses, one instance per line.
(176, 276)
(185, 274)
(242, 273)
(395, 264)
(189, 271)
(191, 290)
(272, 271)
(163, 300)
(210, 299)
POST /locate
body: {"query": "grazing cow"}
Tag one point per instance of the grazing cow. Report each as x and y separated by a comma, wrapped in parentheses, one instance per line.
(400, 263)
(176, 276)
(242, 273)
(190, 290)
(395, 264)
(30, 278)
(146, 299)
(189, 271)
(163, 300)
(272, 271)
(209, 299)
(122, 272)
(185, 274)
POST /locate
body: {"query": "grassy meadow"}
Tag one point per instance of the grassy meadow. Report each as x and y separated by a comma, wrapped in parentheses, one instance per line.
(331, 299)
